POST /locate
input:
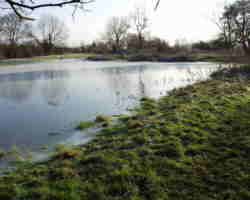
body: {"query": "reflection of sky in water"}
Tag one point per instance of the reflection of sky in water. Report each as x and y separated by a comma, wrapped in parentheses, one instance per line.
(51, 97)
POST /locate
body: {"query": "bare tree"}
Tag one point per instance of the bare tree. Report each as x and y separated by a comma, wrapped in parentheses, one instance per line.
(116, 32)
(225, 23)
(51, 32)
(140, 23)
(235, 24)
(12, 29)
(157, 4)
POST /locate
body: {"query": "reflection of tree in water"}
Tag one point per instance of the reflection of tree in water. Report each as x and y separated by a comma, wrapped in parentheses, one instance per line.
(54, 89)
(129, 84)
(141, 84)
(119, 84)
(126, 85)
(14, 88)
(18, 91)
(19, 87)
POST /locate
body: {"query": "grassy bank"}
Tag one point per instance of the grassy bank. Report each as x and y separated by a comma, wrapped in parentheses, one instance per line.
(19, 61)
(168, 58)
(193, 144)
(193, 57)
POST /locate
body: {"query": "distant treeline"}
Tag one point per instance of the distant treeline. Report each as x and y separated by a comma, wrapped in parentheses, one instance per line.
(122, 35)
(151, 46)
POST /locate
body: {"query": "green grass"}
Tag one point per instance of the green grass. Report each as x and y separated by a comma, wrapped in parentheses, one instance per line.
(220, 57)
(84, 125)
(193, 144)
(11, 62)
(211, 57)
(102, 118)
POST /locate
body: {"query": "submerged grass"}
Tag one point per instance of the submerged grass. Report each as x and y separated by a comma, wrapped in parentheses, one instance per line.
(192, 144)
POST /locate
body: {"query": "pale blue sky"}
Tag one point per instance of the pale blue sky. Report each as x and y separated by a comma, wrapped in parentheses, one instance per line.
(174, 19)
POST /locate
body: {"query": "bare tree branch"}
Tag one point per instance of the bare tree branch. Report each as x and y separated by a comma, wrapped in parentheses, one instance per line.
(140, 22)
(18, 6)
(60, 4)
(157, 4)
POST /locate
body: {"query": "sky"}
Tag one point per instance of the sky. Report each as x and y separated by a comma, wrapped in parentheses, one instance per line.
(189, 20)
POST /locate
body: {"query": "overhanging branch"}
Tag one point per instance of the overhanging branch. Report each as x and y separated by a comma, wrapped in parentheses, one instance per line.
(157, 4)
(15, 5)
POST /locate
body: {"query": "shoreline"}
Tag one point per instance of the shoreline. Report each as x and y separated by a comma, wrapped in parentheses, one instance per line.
(116, 57)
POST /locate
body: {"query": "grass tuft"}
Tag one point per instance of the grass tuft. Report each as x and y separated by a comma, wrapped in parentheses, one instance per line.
(84, 125)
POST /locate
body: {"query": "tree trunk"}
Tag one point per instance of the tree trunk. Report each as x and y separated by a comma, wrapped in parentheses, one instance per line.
(246, 48)
(140, 40)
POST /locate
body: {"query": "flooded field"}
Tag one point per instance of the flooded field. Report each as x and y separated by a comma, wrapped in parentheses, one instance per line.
(41, 104)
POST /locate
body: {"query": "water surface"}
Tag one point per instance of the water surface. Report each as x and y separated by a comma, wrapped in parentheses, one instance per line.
(42, 103)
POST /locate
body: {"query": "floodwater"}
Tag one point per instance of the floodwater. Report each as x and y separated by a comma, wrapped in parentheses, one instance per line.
(42, 103)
